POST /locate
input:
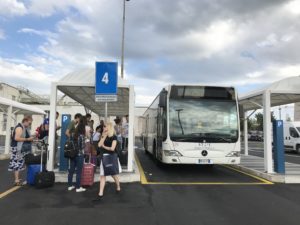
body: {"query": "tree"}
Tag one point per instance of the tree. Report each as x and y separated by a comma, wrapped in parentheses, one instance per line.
(260, 120)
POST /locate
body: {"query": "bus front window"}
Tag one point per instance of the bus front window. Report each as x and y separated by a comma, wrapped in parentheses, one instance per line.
(199, 120)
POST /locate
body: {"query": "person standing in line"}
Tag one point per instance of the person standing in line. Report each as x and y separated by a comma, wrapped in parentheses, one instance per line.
(80, 136)
(125, 133)
(19, 138)
(72, 125)
(118, 130)
(96, 137)
(57, 128)
(107, 145)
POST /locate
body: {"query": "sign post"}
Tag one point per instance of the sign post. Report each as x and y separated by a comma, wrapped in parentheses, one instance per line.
(106, 85)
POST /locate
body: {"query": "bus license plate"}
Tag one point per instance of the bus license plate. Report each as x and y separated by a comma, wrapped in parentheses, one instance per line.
(205, 161)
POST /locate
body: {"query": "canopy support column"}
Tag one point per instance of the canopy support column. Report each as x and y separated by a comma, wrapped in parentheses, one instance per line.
(267, 132)
(8, 126)
(52, 128)
(130, 130)
(246, 152)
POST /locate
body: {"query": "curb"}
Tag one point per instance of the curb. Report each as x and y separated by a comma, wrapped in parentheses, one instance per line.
(276, 178)
(4, 156)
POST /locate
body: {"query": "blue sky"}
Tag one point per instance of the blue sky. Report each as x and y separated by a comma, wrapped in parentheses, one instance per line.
(243, 44)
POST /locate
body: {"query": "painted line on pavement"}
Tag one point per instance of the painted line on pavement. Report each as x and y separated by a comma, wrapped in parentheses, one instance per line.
(250, 175)
(146, 182)
(4, 194)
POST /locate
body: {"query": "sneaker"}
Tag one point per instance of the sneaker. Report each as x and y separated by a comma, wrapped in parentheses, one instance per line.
(80, 189)
(71, 188)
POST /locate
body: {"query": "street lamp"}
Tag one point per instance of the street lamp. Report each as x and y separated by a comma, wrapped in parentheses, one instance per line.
(123, 38)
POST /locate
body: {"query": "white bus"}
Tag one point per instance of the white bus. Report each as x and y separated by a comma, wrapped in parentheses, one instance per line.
(188, 124)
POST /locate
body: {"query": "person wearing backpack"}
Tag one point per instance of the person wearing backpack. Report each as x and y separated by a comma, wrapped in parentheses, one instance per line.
(80, 135)
(20, 146)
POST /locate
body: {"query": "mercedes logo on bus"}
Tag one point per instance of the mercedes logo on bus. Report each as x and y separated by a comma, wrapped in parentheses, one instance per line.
(204, 153)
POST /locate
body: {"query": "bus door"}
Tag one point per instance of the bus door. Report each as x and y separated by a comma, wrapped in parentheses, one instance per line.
(161, 131)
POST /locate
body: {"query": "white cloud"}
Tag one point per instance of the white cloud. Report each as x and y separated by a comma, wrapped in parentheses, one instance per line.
(237, 43)
(12, 8)
(22, 74)
(293, 7)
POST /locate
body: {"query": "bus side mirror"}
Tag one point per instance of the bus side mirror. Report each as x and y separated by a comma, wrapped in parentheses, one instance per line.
(241, 111)
(163, 99)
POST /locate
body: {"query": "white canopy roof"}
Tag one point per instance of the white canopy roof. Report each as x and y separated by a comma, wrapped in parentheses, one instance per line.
(19, 108)
(80, 86)
(283, 92)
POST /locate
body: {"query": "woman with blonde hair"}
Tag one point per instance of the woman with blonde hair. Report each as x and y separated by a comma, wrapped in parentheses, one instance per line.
(110, 165)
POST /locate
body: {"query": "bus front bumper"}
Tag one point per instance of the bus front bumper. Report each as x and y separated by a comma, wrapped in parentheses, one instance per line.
(204, 160)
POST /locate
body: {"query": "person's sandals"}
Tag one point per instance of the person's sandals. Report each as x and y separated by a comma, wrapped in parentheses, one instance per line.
(19, 183)
(99, 197)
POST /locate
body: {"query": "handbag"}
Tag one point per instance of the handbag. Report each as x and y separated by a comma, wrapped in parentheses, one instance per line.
(110, 164)
(71, 149)
(26, 148)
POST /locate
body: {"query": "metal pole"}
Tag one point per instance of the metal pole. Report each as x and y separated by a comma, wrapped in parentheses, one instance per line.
(279, 113)
(246, 133)
(123, 39)
(8, 129)
(106, 112)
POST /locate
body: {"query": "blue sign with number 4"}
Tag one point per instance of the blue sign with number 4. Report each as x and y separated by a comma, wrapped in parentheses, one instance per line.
(106, 78)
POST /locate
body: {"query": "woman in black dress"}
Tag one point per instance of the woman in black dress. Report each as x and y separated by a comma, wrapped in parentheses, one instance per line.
(107, 145)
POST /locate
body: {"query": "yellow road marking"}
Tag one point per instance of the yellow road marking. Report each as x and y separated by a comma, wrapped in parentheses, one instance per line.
(142, 173)
(206, 183)
(248, 174)
(146, 182)
(4, 194)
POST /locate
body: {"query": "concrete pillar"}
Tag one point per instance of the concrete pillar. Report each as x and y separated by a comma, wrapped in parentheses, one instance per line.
(52, 129)
(8, 126)
(268, 160)
(246, 133)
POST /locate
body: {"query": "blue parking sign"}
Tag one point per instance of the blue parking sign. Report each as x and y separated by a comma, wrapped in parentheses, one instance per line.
(106, 78)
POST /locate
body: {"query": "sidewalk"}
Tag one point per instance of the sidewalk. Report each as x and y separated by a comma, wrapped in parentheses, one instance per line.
(125, 176)
(255, 166)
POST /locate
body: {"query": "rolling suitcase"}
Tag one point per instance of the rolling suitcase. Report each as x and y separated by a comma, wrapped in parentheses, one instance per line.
(88, 172)
(32, 171)
(44, 178)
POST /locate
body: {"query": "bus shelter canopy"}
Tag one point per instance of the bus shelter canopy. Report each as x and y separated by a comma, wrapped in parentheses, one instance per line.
(19, 108)
(80, 86)
(282, 92)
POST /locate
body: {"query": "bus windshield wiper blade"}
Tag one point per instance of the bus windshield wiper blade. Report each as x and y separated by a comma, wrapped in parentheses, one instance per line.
(190, 139)
(229, 140)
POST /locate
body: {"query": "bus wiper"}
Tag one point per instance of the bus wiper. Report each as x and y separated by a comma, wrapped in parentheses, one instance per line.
(191, 139)
(223, 139)
(179, 120)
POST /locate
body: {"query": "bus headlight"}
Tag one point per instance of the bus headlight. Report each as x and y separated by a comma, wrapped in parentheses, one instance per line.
(234, 154)
(172, 153)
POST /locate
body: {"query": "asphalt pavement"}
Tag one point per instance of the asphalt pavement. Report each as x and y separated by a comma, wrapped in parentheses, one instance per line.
(160, 203)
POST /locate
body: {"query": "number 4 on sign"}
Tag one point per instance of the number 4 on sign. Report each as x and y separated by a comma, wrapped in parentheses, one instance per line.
(105, 78)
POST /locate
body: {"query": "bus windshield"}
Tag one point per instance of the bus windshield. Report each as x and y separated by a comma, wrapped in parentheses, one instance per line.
(206, 120)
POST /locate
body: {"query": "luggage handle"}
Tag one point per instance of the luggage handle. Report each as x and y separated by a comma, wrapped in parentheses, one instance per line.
(42, 153)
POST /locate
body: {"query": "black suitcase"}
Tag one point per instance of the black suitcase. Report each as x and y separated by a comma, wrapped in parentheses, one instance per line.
(31, 159)
(44, 178)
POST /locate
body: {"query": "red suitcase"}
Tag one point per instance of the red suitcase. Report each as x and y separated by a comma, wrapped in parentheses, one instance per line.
(88, 172)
